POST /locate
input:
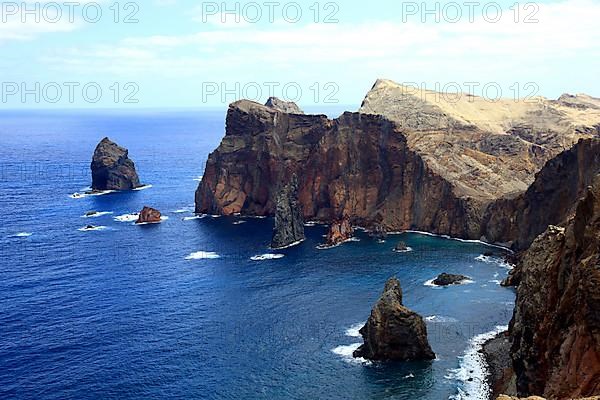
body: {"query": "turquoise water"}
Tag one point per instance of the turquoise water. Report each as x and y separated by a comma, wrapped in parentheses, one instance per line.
(180, 310)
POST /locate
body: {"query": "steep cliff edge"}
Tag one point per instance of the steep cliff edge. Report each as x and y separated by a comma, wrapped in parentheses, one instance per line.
(556, 325)
(356, 165)
(548, 201)
(408, 160)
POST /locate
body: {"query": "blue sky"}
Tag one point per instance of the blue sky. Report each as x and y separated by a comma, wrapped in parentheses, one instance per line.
(180, 54)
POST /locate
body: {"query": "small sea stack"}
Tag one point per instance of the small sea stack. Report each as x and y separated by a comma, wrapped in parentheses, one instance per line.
(339, 231)
(378, 233)
(449, 279)
(401, 247)
(393, 332)
(289, 222)
(112, 169)
(149, 215)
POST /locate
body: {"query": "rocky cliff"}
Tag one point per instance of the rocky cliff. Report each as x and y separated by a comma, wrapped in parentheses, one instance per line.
(408, 160)
(112, 169)
(466, 167)
(556, 324)
(393, 332)
(357, 165)
(548, 201)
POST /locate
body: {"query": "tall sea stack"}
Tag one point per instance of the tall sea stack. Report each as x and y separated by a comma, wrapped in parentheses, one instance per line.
(112, 169)
(393, 332)
(289, 224)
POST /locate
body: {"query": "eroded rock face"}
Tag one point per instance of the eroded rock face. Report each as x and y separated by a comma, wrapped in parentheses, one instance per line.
(556, 325)
(112, 169)
(149, 215)
(408, 160)
(357, 165)
(449, 279)
(339, 231)
(548, 201)
(393, 332)
(283, 106)
(289, 223)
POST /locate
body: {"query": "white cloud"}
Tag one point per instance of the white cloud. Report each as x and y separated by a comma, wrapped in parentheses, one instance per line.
(410, 51)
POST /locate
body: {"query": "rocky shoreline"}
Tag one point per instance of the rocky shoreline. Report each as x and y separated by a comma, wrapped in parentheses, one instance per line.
(527, 177)
(496, 354)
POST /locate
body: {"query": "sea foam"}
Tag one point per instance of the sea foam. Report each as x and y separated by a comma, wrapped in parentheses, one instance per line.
(162, 219)
(431, 284)
(143, 188)
(22, 235)
(327, 247)
(408, 250)
(495, 260)
(97, 214)
(83, 195)
(353, 331)
(203, 255)
(265, 257)
(346, 351)
(440, 319)
(472, 371)
(131, 217)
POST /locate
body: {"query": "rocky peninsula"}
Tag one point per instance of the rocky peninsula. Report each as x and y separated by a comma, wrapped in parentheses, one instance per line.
(522, 174)
(407, 160)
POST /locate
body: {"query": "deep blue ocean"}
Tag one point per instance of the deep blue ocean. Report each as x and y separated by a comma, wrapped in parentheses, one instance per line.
(180, 310)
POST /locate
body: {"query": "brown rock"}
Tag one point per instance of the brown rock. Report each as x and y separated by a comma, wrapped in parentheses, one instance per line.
(339, 231)
(556, 324)
(393, 332)
(357, 165)
(407, 160)
(149, 215)
(548, 201)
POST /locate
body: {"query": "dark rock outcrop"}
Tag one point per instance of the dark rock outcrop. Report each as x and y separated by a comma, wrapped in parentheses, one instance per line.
(284, 106)
(401, 247)
(497, 356)
(339, 231)
(289, 223)
(556, 324)
(449, 279)
(513, 279)
(357, 165)
(408, 160)
(149, 215)
(548, 201)
(112, 169)
(393, 332)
